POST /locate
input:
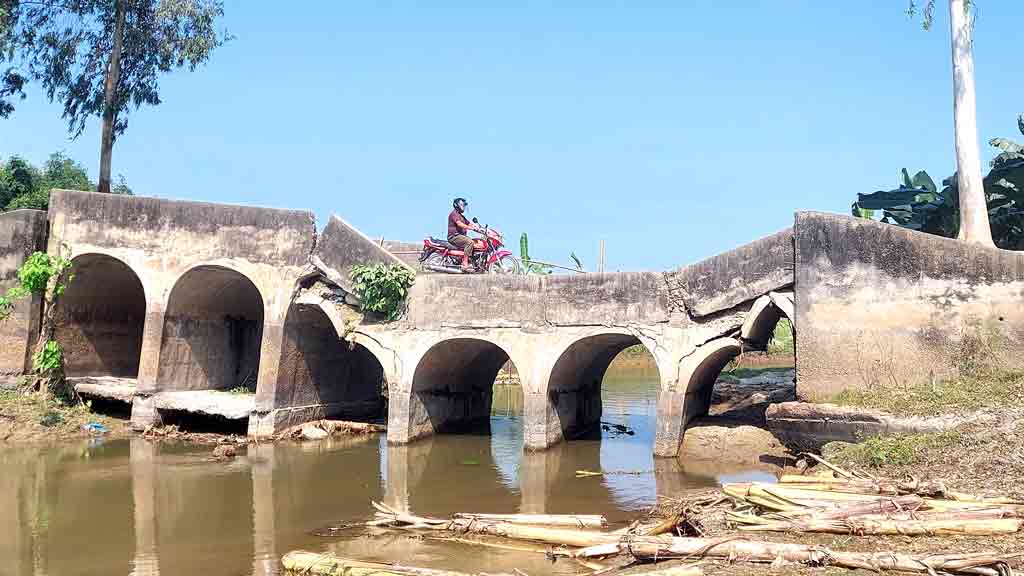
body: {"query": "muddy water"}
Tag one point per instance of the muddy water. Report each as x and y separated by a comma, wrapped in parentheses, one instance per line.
(134, 507)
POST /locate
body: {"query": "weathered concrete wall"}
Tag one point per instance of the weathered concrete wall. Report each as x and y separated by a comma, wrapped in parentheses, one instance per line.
(162, 241)
(734, 277)
(878, 306)
(341, 246)
(100, 317)
(22, 232)
(319, 369)
(441, 300)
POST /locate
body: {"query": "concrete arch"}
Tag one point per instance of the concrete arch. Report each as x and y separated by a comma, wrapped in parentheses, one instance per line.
(575, 378)
(212, 331)
(99, 319)
(702, 368)
(759, 324)
(387, 357)
(226, 265)
(319, 370)
(446, 387)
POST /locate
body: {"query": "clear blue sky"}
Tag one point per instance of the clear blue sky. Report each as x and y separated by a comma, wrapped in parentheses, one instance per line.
(673, 130)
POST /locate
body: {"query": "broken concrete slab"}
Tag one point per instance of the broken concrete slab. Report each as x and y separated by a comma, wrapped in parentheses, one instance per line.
(342, 246)
(733, 277)
(106, 387)
(814, 425)
(208, 402)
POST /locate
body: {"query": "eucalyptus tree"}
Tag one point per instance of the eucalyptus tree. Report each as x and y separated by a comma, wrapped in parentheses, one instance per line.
(974, 222)
(102, 57)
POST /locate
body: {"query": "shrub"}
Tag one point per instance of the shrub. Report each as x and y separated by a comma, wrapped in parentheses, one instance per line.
(382, 288)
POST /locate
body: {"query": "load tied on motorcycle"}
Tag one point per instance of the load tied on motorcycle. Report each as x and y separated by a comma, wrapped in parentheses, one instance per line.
(461, 254)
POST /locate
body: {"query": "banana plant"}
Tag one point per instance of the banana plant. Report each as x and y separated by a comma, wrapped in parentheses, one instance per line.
(524, 256)
(918, 204)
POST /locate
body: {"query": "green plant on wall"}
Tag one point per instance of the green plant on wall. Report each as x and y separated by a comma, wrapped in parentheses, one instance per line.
(381, 288)
(46, 276)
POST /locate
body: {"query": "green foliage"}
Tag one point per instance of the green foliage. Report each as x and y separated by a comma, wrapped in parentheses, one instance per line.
(529, 267)
(895, 450)
(576, 260)
(25, 186)
(49, 359)
(782, 339)
(66, 47)
(382, 288)
(33, 278)
(919, 205)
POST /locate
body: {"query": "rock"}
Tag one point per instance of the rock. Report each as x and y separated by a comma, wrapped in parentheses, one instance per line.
(314, 433)
(728, 442)
(225, 452)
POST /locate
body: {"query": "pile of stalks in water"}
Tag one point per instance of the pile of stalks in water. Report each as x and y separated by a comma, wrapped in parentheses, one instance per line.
(833, 502)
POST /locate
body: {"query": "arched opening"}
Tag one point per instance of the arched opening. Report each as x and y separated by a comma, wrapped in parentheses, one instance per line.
(575, 384)
(213, 327)
(100, 317)
(765, 370)
(319, 369)
(454, 383)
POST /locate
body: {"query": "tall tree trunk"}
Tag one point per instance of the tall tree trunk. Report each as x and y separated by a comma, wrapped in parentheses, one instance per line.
(110, 98)
(974, 225)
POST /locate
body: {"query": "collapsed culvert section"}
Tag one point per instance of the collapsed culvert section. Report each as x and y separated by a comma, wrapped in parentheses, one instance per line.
(576, 381)
(454, 381)
(100, 317)
(332, 377)
(213, 327)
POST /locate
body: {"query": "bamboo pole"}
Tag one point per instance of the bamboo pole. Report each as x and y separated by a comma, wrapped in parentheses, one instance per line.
(908, 527)
(743, 550)
(575, 520)
(387, 516)
(328, 565)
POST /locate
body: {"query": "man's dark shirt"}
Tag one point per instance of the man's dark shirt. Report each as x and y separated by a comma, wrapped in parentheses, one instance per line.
(454, 230)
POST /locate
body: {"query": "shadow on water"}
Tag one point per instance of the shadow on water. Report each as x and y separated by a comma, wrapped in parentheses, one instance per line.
(134, 507)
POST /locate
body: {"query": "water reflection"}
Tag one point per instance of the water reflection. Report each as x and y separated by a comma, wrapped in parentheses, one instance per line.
(133, 507)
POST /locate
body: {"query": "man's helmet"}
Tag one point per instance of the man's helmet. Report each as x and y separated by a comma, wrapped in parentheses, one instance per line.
(460, 204)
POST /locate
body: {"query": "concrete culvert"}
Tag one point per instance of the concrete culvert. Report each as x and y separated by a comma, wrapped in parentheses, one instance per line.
(213, 328)
(574, 387)
(100, 318)
(318, 368)
(454, 383)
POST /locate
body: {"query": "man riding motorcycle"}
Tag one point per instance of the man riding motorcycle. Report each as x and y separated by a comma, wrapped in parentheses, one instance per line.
(458, 228)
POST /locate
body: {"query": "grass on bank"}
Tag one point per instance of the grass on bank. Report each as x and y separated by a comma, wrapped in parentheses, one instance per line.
(37, 418)
(896, 450)
(958, 395)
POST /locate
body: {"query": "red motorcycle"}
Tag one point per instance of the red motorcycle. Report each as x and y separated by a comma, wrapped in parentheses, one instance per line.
(443, 256)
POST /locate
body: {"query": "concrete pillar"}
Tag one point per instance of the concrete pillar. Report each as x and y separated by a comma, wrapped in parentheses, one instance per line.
(144, 414)
(149, 355)
(264, 561)
(142, 463)
(264, 420)
(408, 419)
(541, 425)
(270, 361)
(671, 423)
(675, 411)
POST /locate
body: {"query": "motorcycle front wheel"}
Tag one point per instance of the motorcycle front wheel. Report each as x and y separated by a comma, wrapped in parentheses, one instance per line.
(507, 264)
